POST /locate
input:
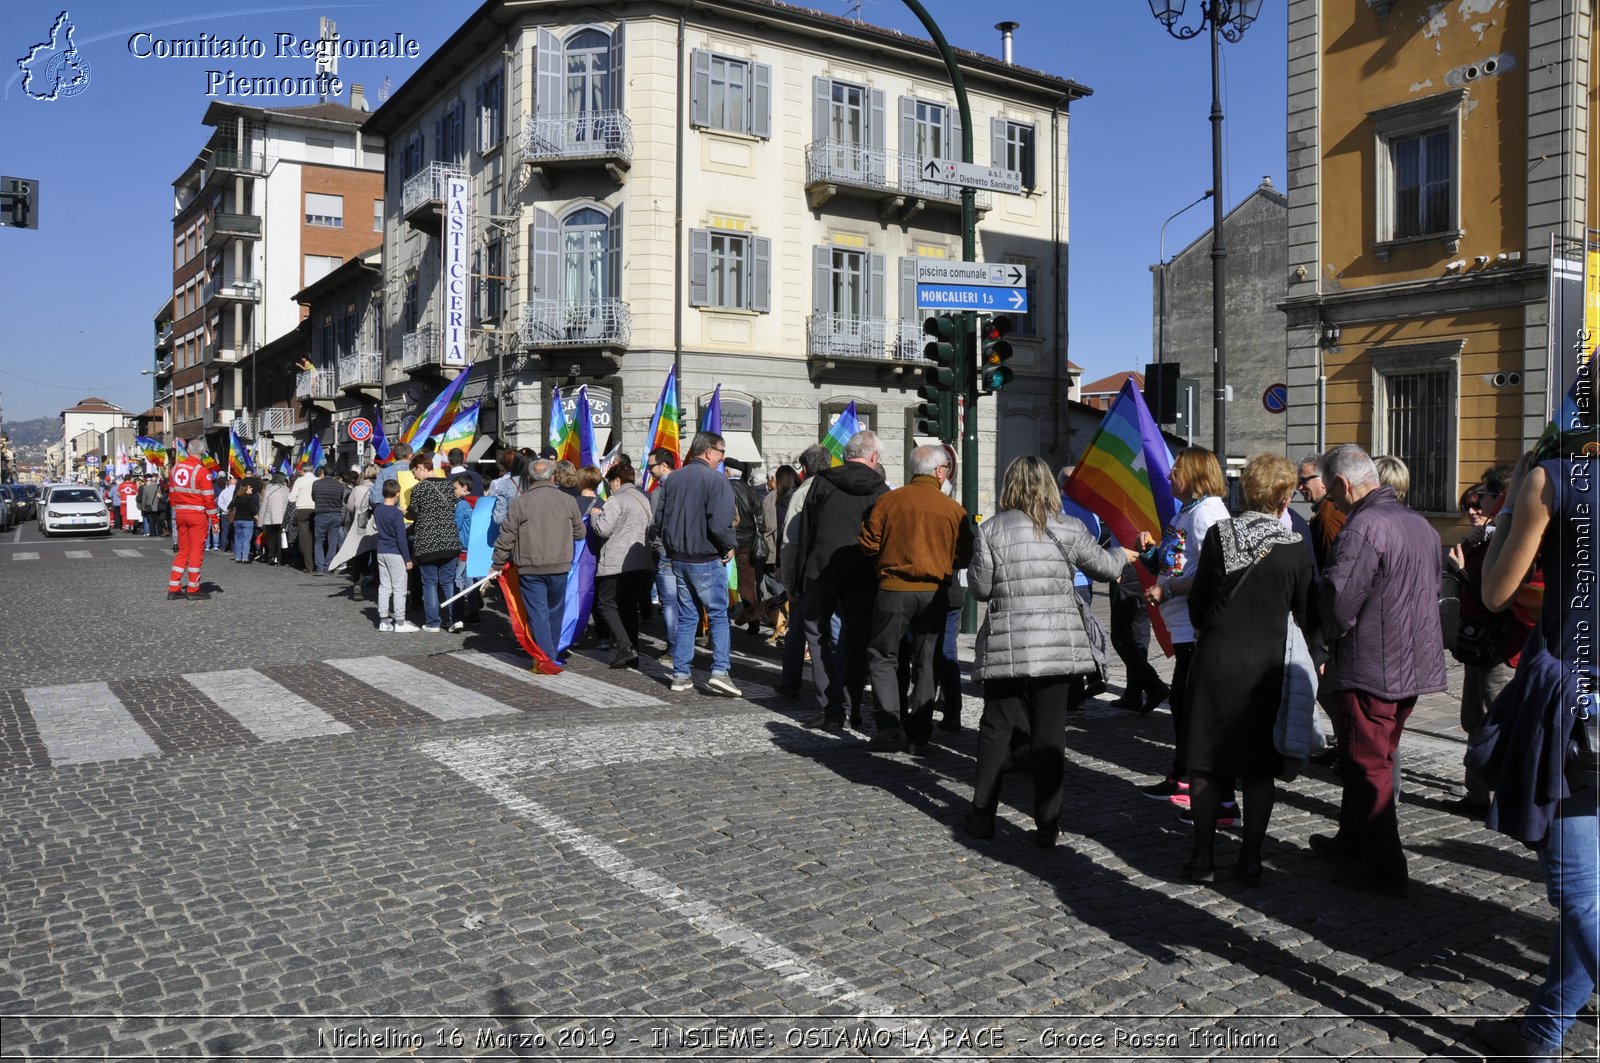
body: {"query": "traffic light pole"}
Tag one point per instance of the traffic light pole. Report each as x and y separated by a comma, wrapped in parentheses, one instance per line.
(967, 362)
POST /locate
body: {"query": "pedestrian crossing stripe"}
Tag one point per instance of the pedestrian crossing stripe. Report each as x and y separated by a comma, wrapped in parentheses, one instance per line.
(81, 723)
(271, 712)
(437, 697)
(590, 691)
(25, 555)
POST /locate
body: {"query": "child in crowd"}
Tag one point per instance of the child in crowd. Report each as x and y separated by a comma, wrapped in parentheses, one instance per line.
(394, 561)
(472, 604)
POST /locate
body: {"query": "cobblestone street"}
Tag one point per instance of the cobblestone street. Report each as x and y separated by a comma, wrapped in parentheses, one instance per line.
(255, 828)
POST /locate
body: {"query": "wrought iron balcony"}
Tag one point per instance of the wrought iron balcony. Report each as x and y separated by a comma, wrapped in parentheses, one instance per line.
(277, 420)
(316, 384)
(223, 289)
(420, 349)
(244, 425)
(222, 227)
(422, 198)
(895, 180)
(364, 369)
(590, 136)
(605, 323)
(841, 336)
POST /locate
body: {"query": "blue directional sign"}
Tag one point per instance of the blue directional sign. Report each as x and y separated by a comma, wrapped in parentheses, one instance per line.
(984, 300)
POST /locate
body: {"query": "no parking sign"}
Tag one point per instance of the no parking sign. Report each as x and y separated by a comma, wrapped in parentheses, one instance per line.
(360, 429)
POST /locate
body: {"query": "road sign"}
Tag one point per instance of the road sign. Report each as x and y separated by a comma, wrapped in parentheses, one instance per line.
(987, 274)
(360, 429)
(1275, 398)
(970, 175)
(983, 299)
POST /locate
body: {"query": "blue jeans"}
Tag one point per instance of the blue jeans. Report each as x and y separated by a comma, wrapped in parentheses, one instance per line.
(327, 531)
(1568, 860)
(667, 592)
(243, 532)
(700, 584)
(438, 582)
(545, 596)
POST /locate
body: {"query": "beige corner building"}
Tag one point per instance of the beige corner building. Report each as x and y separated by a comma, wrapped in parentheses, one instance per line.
(1435, 149)
(734, 186)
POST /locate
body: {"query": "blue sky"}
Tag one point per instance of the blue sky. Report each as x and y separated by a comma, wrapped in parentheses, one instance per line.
(77, 297)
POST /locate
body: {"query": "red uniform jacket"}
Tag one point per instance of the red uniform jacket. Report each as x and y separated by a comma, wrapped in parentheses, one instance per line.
(191, 488)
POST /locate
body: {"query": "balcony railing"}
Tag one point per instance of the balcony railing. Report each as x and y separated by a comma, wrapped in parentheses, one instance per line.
(420, 348)
(364, 369)
(572, 137)
(164, 337)
(241, 290)
(316, 384)
(164, 367)
(227, 162)
(245, 426)
(276, 421)
(426, 187)
(164, 395)
(840, 162)
(606, 323)
(840, 336)
(231, 226)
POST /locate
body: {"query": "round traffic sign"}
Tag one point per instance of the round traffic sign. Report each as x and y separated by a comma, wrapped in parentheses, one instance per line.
(360, 429)
(1276, 398)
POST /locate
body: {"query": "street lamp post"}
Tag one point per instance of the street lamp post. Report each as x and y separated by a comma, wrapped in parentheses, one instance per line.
(1161, 307)
(1225, 19)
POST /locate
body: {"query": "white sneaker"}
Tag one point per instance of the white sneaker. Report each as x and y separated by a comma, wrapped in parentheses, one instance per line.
(722, 684)
(682, 684)
(386, 625)
(405, 625)
(433, 628)
(458, 626)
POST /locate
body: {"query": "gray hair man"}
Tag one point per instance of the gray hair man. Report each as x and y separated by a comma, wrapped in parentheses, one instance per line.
(541, 525)
(918, 538)
(1326, 519)
(695, 517)
(1379, 603)
(835, 576)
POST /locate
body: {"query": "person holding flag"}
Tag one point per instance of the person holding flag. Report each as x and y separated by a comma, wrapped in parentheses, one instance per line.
(194, 506)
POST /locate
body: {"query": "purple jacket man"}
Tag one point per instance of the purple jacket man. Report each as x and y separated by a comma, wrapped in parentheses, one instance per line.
(1379, 599)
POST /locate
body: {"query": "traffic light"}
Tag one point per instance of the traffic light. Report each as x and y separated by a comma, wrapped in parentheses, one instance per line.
(935, 414)
(993, 371)
(19, 203)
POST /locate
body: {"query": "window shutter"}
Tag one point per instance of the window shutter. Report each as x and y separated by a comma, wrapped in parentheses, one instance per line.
(547, 92)
(699, 267)
(1030, 160)
(614, 78)
(438, 138)
(614, 254)
(700, 88)
(876, 283)
(997, 142)
(761, 101)
(952, 140)
(876, 162)
(908, 125)
(760, 274)
(479, 301)
(822, 286)
(822, 108)
(546, 272)
(908, 290)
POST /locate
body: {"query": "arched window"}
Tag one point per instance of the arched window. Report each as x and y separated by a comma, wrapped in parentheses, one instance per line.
(583, 258)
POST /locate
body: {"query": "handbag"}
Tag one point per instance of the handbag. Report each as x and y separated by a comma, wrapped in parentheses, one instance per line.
(1297, 732)
(1094, 632)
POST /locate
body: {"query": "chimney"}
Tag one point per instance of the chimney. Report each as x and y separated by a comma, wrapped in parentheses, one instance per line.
(358, 97)
(1005, 29)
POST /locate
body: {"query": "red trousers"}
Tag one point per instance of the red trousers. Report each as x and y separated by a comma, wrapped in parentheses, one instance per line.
(1369, 731)
(192, 525)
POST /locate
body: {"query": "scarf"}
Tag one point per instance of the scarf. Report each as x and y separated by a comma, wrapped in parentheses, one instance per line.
(1246, 539)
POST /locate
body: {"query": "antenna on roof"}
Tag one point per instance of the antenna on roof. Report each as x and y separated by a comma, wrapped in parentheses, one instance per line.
(853, 8)
(327, 37)
(385, 89)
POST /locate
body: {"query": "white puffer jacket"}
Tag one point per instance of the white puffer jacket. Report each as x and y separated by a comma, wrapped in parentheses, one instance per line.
(1032, 626)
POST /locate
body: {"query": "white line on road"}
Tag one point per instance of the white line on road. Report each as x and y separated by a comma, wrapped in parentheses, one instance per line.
(595, 692)
(77, 555)
(271, 712)
(25, 555)
(437, 697)
(127, 553)
(778, 960)
(80, 723)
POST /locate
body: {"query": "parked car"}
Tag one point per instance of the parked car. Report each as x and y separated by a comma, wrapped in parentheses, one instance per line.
(73, 508)
(8, 512)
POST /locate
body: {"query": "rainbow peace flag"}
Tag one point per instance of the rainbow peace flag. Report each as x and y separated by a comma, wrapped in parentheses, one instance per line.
(382, 455)
(588, 453)
(310, 456)
(844, 426)
(439, 413)
(210, 462)
(153, 450)
(1122, 478)
(239, 460)
(666, 425)
(563, 434)
(461, 432)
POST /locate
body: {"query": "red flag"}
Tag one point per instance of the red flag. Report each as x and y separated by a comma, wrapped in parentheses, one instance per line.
(518, 612)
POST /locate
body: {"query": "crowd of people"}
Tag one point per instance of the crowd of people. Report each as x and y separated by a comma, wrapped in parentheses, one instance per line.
(863, 581)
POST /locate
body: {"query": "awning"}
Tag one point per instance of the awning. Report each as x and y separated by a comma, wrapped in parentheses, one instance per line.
(742, 445)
